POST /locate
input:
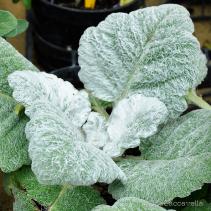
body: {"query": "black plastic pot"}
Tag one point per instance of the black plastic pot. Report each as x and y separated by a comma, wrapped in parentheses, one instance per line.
(64, 26)
(207, 81)
(57, 30)
(69, 74)
(51, 56)
(189, 2)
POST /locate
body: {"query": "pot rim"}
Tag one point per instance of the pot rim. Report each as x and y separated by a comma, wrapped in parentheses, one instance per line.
(111, 10)
(52, 45)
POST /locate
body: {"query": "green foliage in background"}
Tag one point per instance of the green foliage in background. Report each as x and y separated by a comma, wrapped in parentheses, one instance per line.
(10, 26)
(27, 3)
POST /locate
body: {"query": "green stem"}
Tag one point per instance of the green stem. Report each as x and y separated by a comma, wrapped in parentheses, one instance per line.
(195, 99)
(101, 111)
(96, 107)
(62, 192)
(19, 109)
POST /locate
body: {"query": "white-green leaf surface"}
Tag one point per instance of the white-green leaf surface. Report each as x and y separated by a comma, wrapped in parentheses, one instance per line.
(57, 147)
(37, 90)
(130, 204)
(10, 61)
(96, 130)
(133, 118)
(189, 135)
(150, 51)
(13, 143)
(178, 161)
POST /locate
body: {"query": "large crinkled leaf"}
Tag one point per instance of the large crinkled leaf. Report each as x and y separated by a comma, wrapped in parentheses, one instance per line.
(133, 118)
(13, 143)
(58, 149)
(60, 154)
(29, 194)
(10, 61)
(160, 181)
(96, 130)
(7, 22)
(178, 162)
(150, 51)
(130, 204)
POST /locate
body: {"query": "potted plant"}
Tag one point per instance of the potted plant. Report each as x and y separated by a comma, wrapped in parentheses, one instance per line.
(62, 149)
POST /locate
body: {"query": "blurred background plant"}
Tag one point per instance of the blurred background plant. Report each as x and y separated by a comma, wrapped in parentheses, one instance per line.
(27, 3)
(10, 26)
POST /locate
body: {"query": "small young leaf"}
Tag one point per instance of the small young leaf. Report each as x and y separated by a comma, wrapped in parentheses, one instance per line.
(150, 51)
(130, 204)
(22, 25)
(133, 118)
(96, 130)
(58, 149)
(100, 106)
(178, 162)
(8, 22)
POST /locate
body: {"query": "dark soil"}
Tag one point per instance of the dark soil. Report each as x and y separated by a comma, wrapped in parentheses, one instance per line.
(5, 200)
(79, 4)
